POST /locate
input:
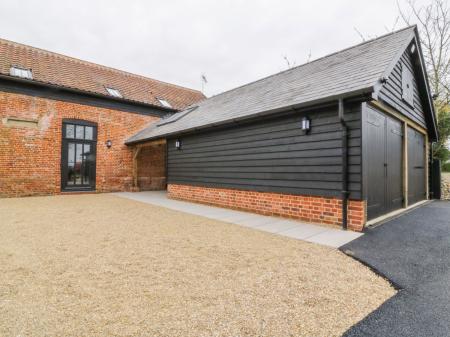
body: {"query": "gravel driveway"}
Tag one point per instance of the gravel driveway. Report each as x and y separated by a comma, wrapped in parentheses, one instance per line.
(100, 265)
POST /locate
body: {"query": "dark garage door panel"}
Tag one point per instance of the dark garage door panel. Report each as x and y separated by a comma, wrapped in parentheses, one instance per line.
(384, 163)
(394, 150)
(416, 166)
(375, 133)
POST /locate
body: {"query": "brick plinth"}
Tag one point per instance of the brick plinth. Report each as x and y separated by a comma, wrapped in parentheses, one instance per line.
(306, 208)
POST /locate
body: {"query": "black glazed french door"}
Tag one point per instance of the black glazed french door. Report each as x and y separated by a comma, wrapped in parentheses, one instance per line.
(78, 156)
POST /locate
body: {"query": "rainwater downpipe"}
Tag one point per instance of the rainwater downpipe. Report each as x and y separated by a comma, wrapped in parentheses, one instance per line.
(345, 193)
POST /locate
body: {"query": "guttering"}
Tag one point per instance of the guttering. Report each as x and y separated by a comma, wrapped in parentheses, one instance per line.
(344, 193)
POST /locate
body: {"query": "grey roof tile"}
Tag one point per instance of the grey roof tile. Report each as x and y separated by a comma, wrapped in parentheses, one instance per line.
(354, 69)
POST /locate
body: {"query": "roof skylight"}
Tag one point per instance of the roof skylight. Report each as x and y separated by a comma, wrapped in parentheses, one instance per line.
(164, 102)
(21, 72)
(176, 116)
(114, 92)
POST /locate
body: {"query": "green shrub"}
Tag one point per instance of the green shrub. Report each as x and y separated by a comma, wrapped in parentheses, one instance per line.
(446, 167)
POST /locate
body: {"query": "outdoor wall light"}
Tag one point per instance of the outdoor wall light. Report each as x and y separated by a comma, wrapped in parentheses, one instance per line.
(306, 124)
(178, 144)
(108, 143)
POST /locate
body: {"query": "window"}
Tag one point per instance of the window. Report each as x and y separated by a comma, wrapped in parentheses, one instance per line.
(78, 131)
(70, 131)
(176, 116)
(114, 92)
(163, 102)
(21, 72)
(88, 133)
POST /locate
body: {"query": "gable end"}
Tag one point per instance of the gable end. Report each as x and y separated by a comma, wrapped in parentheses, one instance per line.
(401, 90)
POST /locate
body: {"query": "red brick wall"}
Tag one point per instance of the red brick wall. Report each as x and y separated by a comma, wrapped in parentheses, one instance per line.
(306, 208)
(30, 156)
(152, 168)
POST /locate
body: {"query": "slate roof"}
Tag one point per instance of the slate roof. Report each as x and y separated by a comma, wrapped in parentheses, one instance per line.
(356, 69)
(67, 72)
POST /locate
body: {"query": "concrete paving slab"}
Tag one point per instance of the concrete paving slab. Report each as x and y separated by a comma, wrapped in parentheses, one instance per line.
(304, 231)
(212, 213)
(254, 221)
(236, 216)
(278, 226)
(290, 228)
(334, 238)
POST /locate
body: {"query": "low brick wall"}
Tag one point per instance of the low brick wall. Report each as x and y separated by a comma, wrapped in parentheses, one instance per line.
(306, 208)
(445, 186)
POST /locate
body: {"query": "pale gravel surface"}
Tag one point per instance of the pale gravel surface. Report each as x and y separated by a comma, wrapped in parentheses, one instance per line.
(100, 265)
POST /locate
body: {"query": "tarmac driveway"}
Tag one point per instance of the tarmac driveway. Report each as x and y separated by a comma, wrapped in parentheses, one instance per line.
(413, 251)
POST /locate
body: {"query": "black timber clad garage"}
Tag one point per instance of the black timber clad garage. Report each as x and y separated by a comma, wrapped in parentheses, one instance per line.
(273, 155)
(373, 151)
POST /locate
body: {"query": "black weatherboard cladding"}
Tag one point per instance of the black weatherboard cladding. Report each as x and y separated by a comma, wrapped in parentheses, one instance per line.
(273, 155)
(391, 92)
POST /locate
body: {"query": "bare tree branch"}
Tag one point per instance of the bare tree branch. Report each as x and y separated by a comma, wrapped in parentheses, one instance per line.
(433, 23)
(308, 59)
(360, 34)
(288, 62)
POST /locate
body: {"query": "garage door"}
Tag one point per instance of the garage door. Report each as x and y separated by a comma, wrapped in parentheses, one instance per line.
(416, 166)
(384, 163)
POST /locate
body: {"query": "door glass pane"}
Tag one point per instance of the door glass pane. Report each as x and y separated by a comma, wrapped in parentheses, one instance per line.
(87, 166)
(70, 163)
(78, 163)
(79, 134)
(89, 132)
(70, 131)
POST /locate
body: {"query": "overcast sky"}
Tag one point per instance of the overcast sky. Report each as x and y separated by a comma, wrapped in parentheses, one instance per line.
(231, 42)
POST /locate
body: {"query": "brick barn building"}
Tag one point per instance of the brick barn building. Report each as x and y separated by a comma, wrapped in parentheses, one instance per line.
(343, 140)
(64, 122)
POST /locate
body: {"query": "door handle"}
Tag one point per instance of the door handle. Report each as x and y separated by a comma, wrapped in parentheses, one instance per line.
(418, 167)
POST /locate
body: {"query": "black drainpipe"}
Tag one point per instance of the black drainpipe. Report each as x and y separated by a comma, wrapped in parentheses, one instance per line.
(345, 192)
